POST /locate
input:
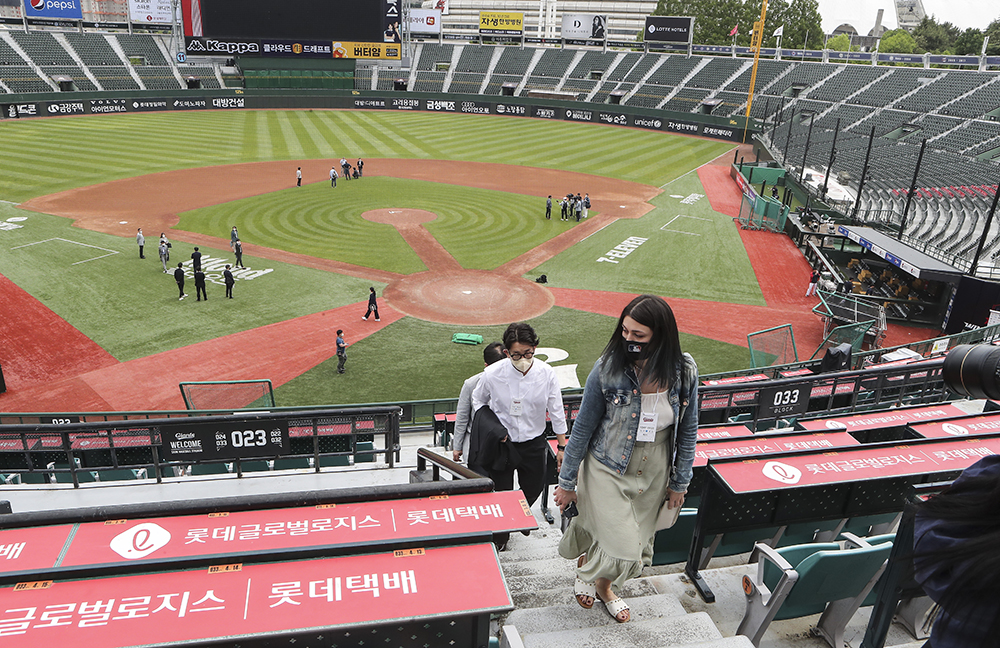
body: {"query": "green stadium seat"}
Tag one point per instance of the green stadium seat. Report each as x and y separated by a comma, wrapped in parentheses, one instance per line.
(210, 469)
(329, 461)
(361, 447)
(802, 580)
(292, 463)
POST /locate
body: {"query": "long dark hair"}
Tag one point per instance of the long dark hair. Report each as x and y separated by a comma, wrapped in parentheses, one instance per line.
(971, 509)
(663, 358)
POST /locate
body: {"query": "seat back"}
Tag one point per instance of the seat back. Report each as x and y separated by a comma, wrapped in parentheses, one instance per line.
(826, 576)
(674, 544)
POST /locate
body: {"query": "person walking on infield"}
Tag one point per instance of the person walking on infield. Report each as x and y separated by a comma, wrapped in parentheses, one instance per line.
(164, 241)
(196, 260)
(463, 413)
(813, 283)
(586, 204)
(548, 208)
(238, 248)
(333, 176)
(179, 278)
(341, 351)
(630, 454)
(346, 168)
(164, 256)
(199, 285)
(520, 392)
(578, 207)
(298, 177)
(233, 237)
(227, 275)
(140, 241)
(372, 305)
(564, 206)
(361, 167)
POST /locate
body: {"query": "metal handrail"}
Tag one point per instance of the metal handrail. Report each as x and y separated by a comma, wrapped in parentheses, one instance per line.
(438, 463)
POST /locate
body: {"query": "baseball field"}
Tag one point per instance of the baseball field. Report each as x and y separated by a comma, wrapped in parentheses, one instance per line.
(447, 225)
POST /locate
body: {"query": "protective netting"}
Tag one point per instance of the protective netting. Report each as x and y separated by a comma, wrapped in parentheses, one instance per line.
(236, 394)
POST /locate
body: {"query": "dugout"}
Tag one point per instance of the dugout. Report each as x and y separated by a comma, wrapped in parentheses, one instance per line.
(912, 286)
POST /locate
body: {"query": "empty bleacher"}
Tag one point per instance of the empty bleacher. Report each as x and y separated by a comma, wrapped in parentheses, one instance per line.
(141, 46)
(474, 58)
(977, 104)
(715, 73)
(847, 82)
(42, 48)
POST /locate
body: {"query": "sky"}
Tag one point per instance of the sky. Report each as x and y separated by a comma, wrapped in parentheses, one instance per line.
(861, 13)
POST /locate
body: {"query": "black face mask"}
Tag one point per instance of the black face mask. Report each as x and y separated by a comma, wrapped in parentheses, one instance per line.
(633, 350)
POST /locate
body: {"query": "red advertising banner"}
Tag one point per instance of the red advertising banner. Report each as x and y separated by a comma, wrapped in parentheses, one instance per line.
(960, 428)
(854, 464)
(246, 532)
(758, 445)
(891, 418)
(241, 601)
(723, 432)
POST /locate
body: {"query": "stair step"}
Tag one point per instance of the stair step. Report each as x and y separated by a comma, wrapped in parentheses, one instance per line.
(524, 597)
(674, 631)
(573, 617)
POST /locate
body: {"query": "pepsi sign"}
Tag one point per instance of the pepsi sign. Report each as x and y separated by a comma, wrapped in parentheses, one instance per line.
(62, 9)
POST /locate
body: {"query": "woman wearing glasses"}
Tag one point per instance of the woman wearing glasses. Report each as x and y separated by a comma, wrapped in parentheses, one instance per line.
(520, 391)
(630, 453)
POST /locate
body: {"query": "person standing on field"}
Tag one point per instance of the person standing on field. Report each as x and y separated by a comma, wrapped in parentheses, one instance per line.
(333, 176)
(140, 240)
(298, 177)
(341, 351)
(361, 167)
(372, 305)
(199, 284)
(238, 248)
(164, 255)
(233, 237)
(227, 275)
(179, 278)
(196, 260)
(548, 208)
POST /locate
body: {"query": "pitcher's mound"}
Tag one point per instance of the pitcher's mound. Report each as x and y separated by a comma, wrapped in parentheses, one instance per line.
(399, 216)
(468, 297)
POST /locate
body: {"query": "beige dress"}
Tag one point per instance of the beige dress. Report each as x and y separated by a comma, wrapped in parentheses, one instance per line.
(617, 520)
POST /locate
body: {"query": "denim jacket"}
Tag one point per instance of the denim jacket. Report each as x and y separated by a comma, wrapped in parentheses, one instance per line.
(608, 422)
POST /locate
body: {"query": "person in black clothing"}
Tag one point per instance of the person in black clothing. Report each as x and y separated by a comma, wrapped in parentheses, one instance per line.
(179, 278)
(228, 276)
(199, 284)
(372, 305)
(238, 248)
(548, 208)
(196, 259)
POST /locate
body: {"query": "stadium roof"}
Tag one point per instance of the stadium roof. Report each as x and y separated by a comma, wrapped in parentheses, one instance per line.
(900, 254)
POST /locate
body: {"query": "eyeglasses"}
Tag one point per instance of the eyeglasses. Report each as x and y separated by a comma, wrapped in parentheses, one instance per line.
(517, 356)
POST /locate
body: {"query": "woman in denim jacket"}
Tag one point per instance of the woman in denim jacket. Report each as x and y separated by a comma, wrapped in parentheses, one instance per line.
(630, 452)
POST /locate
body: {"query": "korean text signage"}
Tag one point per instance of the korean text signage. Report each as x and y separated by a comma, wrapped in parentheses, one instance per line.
(852, 465)
(354, 50)
(820, 441)
(892, 418)
(501, 23)
(187, 537)
(244, 600)
(584, 27)
(297, 49)
(154, 12)
(668, 29)
(224, 440)
(61, 9)
(425, 21)
(959, 428)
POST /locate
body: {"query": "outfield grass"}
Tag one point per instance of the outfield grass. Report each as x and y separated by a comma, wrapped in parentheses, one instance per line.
(326, 222)
(130, 308)
(416, 360)
(43, 156)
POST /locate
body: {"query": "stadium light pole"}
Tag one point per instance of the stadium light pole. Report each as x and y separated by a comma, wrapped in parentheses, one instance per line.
(805, 153)
(986, 232)
(864, 176)
(833, 152)
(784, 156)
(913, 190)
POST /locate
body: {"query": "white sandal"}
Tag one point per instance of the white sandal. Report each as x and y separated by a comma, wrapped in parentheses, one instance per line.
(581, 588)
(616, 607)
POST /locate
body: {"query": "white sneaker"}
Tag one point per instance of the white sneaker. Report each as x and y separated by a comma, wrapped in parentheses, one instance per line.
(364, 319)
(377, 319)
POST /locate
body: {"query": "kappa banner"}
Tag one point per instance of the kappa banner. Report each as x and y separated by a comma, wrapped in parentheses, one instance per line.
(152, 12)
(501, 23)
(350, 50)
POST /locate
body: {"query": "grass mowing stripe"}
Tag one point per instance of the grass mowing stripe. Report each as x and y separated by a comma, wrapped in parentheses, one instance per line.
(262, 135)
(345, 142)
(289, 137)
(374, 141)
(324, 146)
(297, 119)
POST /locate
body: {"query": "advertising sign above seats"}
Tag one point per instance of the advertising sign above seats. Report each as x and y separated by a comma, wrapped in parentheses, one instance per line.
(669, 29)
(53, 9)
(425, 21)
(151, 12)
(584, 27)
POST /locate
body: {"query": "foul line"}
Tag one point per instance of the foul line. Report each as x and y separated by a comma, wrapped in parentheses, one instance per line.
(109, 252)
(663, 228)
(598, 231)
(8, 202)
(696, 168)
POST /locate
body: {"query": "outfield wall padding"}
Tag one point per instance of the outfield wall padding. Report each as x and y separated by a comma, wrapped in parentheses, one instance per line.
(85, 103)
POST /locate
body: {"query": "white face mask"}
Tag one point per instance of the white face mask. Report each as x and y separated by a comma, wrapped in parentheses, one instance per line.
(523, 364)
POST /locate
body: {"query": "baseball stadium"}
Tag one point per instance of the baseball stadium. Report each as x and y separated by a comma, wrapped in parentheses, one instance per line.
(821, 224)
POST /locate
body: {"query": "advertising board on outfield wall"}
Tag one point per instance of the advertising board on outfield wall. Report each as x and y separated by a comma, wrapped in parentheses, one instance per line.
(725, 129)
(201, 46)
